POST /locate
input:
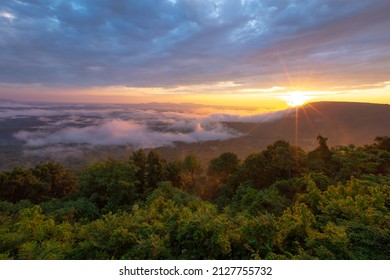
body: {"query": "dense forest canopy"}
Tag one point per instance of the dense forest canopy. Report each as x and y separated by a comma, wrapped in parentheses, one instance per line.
(280, 203)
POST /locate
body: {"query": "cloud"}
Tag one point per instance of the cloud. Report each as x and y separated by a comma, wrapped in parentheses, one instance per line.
(7, 15)
(119, 132)
(28, 112)
(260, 118)
(57, 152)
(177, 43)
(127, 125)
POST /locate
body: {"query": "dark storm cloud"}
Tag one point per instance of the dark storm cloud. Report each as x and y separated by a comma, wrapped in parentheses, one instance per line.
(169, 43)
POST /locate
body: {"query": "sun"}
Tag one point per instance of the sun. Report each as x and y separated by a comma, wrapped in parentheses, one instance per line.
(296, 98)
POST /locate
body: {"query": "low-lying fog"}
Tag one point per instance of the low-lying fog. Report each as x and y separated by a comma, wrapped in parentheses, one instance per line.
(53, 129)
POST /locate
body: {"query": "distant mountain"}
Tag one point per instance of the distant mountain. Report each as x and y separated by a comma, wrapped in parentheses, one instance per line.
(343, 123)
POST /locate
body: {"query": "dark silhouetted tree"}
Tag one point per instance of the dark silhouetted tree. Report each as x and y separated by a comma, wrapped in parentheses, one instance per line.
(223, 166)
(156, 170)
(139, 159)
(192, 169)
(320, 159)
(59, 181)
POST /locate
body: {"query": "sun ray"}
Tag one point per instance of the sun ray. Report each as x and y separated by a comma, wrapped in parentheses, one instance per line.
(296, 98)
(317, 111)
(308, 117)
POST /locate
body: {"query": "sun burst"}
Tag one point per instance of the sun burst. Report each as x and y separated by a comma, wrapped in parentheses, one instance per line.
(296, 98)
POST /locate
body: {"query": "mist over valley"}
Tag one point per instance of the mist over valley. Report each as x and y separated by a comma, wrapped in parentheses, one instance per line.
(80, 133)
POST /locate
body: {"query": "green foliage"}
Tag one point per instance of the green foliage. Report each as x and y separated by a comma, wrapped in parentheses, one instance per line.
(111, 185)
(58, 181)
(280, 161)
(353, 161)
(284, 161)
(320, 159)
(382, 143)
(255, 234)
(191, 171)
(252, 201)
(81, 210)
(36, 236)
(223, 166)
(45, 181)
(10, 208)
(281, 203)
(139, 159)
(174, 171)
(156, 170)
(167, 191)
(201, 233)
(294, 228)
(21, 184)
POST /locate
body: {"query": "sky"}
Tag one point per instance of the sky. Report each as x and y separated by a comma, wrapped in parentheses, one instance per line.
(264, 54)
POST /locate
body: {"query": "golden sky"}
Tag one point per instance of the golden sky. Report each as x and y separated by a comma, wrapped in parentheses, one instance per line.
(263, 54)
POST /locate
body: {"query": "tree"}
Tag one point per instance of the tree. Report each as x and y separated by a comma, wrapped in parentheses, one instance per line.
(253, 170)
(320, 159)
(255, 236)
(353, 161)
(253, 202)
(139, 159)
(284, 161)
(174, 173)
(109, 184)
(381, 153)
(294, 228)
(192, 169)
(156, 170)
(35, 236)
(201, 233)
(223, 166)
(21, 184)
(48, 180)
(59, 181)
(382, 142)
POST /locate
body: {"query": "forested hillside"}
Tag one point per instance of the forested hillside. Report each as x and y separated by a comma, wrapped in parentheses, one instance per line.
(279, 203)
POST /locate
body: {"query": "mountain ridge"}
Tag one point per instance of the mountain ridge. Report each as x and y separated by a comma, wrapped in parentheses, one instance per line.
(343, 123)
